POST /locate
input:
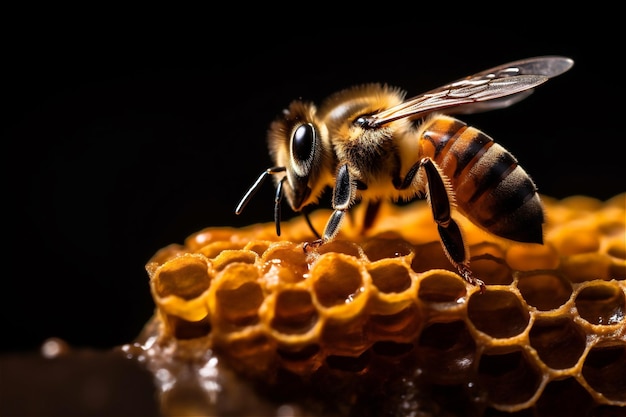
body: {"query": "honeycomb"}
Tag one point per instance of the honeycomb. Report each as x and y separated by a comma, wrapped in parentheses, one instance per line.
(379, 323)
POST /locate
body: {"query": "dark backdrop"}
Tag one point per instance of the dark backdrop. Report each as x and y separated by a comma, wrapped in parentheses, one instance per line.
(121, 139)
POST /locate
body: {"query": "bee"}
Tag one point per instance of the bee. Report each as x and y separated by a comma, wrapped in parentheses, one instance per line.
(368, 143)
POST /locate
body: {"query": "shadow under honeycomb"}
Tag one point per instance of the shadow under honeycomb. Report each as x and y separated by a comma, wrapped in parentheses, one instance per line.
(380, 324)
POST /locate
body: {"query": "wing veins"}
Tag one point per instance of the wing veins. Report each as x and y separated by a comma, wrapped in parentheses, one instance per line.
(500, 86)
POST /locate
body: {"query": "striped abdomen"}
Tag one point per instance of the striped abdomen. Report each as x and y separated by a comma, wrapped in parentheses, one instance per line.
(491, 189)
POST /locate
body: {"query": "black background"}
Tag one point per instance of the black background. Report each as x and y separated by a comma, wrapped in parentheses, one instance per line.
(121, 138)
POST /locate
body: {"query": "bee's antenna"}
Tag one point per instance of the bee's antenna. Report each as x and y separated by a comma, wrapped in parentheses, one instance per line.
(277, 200)
(252, 190)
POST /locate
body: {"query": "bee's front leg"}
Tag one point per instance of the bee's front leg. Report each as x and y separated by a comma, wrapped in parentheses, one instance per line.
(343, 197)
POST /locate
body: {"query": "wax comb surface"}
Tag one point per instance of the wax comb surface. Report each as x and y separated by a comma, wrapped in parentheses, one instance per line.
(381, 324)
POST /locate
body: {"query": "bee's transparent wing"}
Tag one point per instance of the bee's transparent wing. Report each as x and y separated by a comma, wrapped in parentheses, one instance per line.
(494, 88)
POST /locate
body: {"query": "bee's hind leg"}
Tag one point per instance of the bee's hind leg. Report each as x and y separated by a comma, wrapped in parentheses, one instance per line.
(449, 231)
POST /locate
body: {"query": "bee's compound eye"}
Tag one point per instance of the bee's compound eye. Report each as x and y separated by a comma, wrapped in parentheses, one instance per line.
(302, 142)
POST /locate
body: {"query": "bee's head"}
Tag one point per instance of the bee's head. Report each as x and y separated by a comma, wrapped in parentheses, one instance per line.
(297, 142)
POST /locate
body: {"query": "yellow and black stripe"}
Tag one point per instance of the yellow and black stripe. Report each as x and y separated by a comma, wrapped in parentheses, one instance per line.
(490, 188)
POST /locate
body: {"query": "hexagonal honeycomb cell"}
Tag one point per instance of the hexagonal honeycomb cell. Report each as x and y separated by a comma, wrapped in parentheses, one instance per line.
(379, 323)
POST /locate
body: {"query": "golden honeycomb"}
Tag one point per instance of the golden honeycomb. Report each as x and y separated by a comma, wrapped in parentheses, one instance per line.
(379, 323)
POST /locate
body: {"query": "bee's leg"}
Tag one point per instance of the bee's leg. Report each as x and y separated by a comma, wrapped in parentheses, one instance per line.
(343, 197)
(371, 211)
(449, 231)
(305, 213)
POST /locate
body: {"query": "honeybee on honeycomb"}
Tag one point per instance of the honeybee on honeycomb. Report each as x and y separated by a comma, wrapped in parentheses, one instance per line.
(369, 143)
(249, 323)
